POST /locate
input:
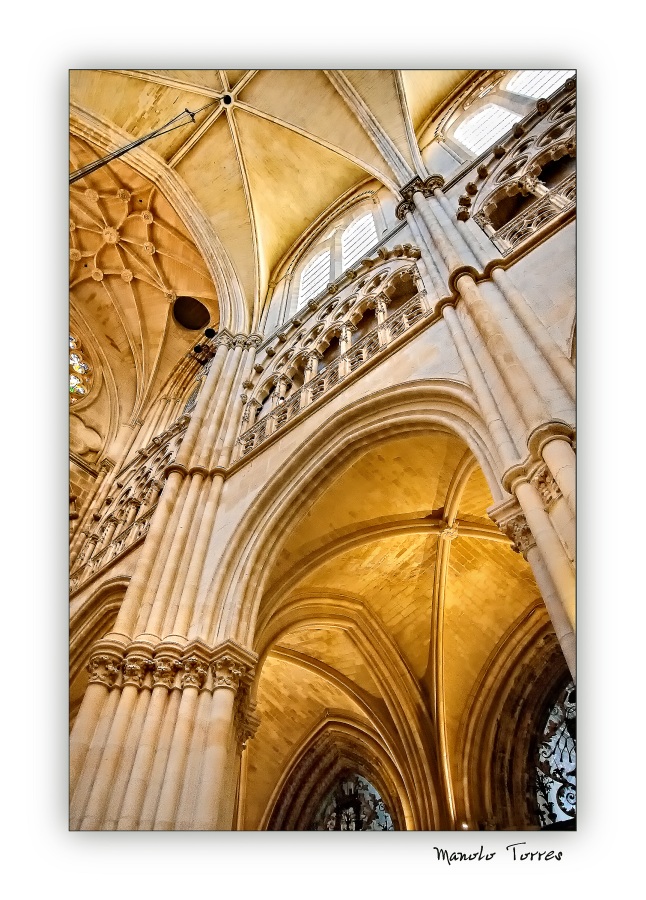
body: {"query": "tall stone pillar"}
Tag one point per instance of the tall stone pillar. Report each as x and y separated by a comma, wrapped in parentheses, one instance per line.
(510, 519)
(233, 668)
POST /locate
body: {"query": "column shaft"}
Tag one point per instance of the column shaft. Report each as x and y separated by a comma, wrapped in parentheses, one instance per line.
(556, 611)
(549, 545)
(214, 764)
(99, 796)
(136, 789)
(174, 774)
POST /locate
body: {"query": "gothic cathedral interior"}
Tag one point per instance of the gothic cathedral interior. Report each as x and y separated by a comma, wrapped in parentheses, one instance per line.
(322, 449)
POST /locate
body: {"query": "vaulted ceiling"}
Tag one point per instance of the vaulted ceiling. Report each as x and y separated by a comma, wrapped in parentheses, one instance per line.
(269, 151)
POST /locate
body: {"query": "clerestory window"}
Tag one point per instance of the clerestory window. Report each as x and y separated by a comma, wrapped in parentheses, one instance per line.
(485, 127)
(315, 277)
(358, 237)
(538, 83)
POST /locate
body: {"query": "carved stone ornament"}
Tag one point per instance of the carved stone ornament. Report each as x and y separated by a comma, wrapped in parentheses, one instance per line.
(518, 530)
(434, 183)
(164, 671)
(463, 213)
(246, 721)
(194, 674)
(103, 669)
(229, 672)
(547, 487)
(134, 669)
(449, 532)
(239, 340)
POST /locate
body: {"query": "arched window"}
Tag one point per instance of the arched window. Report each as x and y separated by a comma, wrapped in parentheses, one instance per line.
(315, 277)
(357, 238)
(539, 83)
(485, 127)
(353, 804)
(80, 372)
(556, 765)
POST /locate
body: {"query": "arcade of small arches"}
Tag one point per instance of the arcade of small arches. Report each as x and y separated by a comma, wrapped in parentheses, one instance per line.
(322, 521)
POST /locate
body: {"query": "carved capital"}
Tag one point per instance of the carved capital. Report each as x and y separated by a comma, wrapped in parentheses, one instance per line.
(233, 666)
(228, 672)
(404, 207)
(549, 491)
(415, 184)
(246, 720)
(134, 670)
(194, 672)
(239, 340)
(104, 669)
(224, 338)
(254, 340)
(519, 532)
(432, 184)
(164, 670)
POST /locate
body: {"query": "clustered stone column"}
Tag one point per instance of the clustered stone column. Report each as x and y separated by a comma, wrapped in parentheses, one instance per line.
(162, 738)
(161, 707)
(524, 385)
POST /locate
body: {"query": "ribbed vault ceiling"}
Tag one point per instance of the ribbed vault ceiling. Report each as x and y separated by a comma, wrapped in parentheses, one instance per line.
(266, 165)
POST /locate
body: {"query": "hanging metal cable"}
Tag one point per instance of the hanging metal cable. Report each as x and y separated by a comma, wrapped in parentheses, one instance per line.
(163, 129)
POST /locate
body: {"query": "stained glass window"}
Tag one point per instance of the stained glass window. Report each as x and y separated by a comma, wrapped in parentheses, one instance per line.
(353, 804)
(556, 766)
(80, 372)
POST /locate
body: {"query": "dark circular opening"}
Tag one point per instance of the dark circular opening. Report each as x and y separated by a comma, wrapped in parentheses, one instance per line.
(227, 99)
(190, 313)
(210, 333)
(197, 348)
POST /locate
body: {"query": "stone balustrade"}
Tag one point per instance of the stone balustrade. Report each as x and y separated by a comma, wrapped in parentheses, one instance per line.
(372, 344)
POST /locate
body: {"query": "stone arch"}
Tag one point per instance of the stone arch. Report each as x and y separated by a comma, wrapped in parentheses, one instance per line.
(440, 404)
(88, 624)
(500, 727)
(338, 743)
(404, 727)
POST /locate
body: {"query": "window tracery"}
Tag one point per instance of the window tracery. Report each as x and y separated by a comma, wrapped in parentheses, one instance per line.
(556, 764)
(80, 372)
(353, 804)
